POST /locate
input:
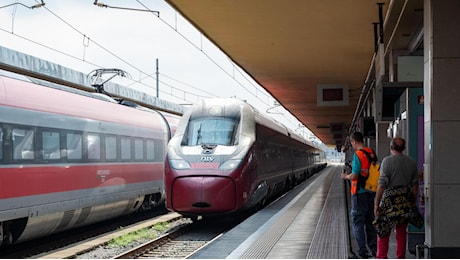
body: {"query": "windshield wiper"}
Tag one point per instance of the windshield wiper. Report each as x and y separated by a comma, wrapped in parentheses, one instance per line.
(208, 146)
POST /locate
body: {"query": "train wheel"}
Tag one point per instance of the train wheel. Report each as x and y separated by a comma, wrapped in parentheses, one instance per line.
(147, 203)
(262, 203)
(290, 183)
(7, 239)
(6, 236)
(150, 201)
(286, 185)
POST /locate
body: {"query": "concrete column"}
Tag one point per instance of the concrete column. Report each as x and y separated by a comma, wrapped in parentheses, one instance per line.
(442, 127)
(382, 141)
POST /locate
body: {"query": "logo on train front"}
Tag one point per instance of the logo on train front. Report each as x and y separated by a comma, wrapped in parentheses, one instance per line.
(207, 158)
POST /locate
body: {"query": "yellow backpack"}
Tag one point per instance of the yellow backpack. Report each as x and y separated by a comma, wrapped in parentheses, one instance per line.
(374, 173)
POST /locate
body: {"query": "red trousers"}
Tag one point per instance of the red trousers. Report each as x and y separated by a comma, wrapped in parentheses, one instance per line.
(401, 238)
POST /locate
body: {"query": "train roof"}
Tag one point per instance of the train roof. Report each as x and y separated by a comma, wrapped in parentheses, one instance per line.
(52, 98)
(260, 118)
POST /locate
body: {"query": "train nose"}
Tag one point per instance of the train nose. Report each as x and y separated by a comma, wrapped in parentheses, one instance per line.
(203, 194)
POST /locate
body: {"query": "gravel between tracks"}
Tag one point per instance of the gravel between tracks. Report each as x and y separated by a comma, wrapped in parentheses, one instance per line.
(108, 251)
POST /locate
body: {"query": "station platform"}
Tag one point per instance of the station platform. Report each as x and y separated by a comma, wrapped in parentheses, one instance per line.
(310, 222)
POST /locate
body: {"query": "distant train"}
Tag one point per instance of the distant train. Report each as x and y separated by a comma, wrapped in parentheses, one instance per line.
(227, 157)
(68, 160)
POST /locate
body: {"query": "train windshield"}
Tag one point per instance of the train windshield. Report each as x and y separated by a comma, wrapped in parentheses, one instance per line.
(211, 131)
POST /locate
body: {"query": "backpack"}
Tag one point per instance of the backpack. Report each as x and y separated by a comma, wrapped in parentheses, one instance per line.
(370, 181)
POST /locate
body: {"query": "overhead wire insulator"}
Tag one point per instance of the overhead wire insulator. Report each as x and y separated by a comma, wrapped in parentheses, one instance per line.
(30, 7)
(37, 5)
(100, 4)
(157, 13)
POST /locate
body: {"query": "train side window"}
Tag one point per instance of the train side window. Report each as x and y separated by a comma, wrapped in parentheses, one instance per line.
(94, 146)
(111, 147)
(138, 149)
(51, 145)
(23, 144)
(1, 144)
(125, 148)
(74, 146)
(150, 148)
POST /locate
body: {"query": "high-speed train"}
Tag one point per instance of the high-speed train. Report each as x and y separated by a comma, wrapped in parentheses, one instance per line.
(68, 160)
(226, 157)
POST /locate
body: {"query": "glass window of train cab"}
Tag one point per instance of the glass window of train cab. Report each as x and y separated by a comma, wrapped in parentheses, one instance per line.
(150, 150)
(74, 146)
(138, 149)
(23, 144)
(217, 130)
(125, 148)
(110, 147)
(94, 146)
(51, 145)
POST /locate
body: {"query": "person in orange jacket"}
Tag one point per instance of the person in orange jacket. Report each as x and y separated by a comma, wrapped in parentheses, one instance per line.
(362, 200)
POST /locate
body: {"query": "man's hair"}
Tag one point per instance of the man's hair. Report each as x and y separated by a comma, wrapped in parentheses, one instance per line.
(398, 144)
(357, 137)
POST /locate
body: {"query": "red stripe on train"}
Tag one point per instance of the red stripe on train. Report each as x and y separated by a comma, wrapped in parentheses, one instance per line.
(28, 180)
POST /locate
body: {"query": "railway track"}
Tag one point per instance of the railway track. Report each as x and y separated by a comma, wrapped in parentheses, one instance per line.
(69, 243)
(75, 251)
(181, 243)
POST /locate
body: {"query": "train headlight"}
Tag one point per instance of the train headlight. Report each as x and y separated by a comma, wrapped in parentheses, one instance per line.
(230, 165)
(179, 164)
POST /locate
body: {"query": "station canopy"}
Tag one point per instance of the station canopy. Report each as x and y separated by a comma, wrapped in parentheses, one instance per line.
(314, 57)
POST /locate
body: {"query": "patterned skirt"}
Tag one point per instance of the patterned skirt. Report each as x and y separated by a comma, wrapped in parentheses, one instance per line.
(397, 206)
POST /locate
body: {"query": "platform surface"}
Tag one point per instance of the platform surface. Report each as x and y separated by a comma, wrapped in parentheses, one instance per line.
(310, 222)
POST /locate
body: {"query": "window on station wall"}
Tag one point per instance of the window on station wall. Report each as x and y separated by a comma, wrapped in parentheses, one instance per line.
(150, 150)
(23, 144)
(74, 146)
(94, 147)
(125, 143)
(138, 149)
(111, 147)
(51, 145)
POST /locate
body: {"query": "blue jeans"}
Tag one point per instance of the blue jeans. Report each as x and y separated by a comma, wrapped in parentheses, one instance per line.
(362, 215)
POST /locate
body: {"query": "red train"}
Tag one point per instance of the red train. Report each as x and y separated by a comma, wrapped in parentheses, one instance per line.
(67, 159)
(227, 157)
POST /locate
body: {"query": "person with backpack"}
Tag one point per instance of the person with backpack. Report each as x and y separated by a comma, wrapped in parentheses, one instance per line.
(395, 199)
(362, 200)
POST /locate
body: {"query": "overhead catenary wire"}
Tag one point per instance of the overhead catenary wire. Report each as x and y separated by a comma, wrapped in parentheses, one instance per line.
(125, 8)
(202, 51)
(48, 47)
(134, 67)
(87, 40)
(93, 41)
(26, 6)
(265, 98)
